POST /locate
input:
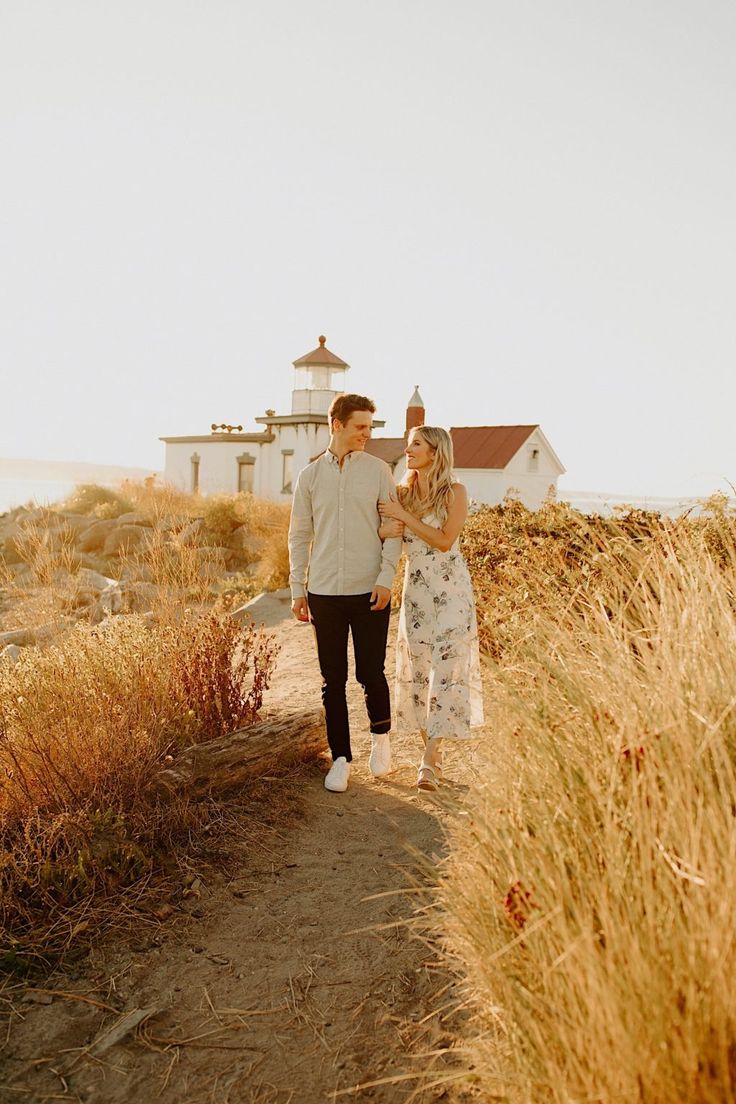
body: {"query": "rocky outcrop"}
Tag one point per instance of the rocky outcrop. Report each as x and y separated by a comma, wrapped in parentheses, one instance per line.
(267, 608)
(39, 634)
(102, 568)
(124, 539)
(93, 540)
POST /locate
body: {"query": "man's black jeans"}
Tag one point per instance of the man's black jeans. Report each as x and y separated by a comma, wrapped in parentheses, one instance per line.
(333, 615)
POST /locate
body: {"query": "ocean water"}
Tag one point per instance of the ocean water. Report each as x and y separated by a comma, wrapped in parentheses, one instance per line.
(17, 492)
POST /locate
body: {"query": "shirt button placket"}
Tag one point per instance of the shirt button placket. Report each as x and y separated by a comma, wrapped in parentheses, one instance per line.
(341, 534)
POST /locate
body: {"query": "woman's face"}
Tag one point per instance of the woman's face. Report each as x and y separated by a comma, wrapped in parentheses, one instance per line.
(418, 453)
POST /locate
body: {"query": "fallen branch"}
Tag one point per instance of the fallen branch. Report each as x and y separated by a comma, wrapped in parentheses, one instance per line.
(228, 762)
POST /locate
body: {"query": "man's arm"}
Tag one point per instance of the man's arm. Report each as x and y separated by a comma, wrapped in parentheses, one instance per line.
(301, 535)
(391, 549)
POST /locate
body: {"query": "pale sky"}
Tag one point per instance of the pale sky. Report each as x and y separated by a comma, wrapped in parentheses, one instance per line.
(527, 208)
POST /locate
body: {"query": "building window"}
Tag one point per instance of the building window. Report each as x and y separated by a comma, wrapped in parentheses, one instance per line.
(246, 469)
(533, 460)
(194, 460)
(287, 458)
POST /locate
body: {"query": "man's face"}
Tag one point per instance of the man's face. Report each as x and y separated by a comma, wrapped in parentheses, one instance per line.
(353, 434)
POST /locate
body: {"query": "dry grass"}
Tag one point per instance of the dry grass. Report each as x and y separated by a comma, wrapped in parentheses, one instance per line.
(193, 561)
(84, 726)
(590, 898)
(87, 720)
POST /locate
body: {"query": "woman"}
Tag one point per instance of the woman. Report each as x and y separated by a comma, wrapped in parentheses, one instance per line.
(438, 687)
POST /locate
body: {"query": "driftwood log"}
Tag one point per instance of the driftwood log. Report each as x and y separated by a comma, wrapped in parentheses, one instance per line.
(229, 761)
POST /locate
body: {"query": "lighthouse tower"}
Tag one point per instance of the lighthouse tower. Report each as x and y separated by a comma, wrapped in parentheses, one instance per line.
(318, 377)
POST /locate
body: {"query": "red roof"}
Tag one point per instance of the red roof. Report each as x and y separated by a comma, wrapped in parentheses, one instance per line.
(320, 357)
(487, 446)
(389, 449)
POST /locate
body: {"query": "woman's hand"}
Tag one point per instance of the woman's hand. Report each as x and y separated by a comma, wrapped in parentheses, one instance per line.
(391, 528)
(392, 509)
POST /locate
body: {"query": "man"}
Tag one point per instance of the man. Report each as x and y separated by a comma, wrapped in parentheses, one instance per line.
(341, 576)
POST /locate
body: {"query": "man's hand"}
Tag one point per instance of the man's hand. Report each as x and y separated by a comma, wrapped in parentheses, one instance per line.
(300, 609)
(380, 597)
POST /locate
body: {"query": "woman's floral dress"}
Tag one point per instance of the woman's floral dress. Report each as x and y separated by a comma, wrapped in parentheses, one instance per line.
(438, 685)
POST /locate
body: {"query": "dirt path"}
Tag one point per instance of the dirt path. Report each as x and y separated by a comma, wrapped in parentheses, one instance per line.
(289, 982)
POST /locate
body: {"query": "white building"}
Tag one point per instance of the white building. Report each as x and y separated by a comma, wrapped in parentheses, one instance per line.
(265, 463)
(492, 461)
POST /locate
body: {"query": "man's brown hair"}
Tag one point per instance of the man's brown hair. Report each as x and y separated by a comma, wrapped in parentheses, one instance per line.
(342, 406)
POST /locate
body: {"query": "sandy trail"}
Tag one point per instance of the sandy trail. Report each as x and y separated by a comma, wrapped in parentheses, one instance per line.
(291, 980)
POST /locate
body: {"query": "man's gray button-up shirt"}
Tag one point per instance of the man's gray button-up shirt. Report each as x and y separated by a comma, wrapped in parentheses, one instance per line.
(334, 547)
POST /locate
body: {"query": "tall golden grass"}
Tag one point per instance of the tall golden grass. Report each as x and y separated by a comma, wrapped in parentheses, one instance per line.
(85, 724)
(589, 899)
(87, 721)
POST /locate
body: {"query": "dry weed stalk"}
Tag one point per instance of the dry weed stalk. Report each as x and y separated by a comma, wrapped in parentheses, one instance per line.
(590, 897)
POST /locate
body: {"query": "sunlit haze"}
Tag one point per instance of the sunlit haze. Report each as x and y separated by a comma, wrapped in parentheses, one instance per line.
(526, 209)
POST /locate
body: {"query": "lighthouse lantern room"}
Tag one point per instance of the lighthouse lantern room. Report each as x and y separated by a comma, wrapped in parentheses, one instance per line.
(318, 377)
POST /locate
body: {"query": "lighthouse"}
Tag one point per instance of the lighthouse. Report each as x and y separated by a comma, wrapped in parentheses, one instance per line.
(319, 377)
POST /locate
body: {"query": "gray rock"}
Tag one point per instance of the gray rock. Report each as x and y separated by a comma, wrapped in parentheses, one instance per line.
(133, 517)
(76, 523)
(80, 597)
(39, 634)
(10, 652)
(137, 573)
(20, 637)
(111, 599)
(138, 597)
(124, 538)
(9, 528)
(17, 570)
(173, 523)
(265, 609)
(192, 532)
(248, 544)
(93, 540)
(11, 543)
(92, 562)
(94, 579)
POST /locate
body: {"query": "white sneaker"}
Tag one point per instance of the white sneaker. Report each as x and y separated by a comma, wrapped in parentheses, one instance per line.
(380, 758)
(337, 776)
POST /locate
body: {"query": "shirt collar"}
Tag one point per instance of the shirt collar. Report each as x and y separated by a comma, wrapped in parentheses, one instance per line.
(332, 459)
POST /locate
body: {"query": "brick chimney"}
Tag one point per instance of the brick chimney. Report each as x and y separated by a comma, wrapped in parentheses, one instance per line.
(414, 412)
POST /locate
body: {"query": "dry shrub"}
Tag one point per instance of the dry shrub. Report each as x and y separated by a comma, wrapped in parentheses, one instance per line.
(92, 500)
(84, 727)
(273, 566)
(41, 596)
(160, 500)
(589, 900)
(223, 514)
(181, 570)
(525, 563)
(47, 547)
(186, 565)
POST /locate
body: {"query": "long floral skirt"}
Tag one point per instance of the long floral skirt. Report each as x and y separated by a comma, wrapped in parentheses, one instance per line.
(438, 684)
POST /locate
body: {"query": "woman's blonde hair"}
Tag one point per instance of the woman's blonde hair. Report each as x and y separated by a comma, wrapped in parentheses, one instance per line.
(440, 477)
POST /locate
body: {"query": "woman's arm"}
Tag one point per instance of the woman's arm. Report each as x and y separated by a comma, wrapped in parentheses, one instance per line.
(390, 528)
(441, 538)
